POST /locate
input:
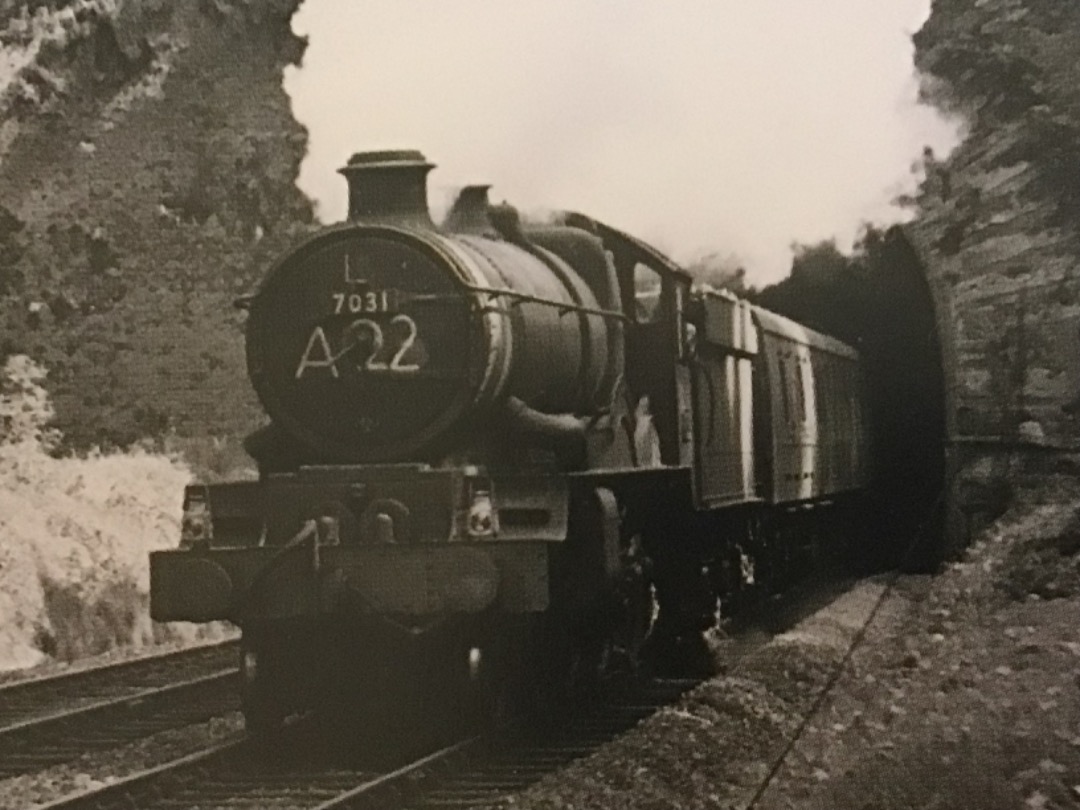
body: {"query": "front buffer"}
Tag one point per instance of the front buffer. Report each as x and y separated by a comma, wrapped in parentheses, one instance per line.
(403, 543)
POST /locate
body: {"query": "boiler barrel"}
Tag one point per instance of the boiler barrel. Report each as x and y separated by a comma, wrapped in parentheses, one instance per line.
(379, 342)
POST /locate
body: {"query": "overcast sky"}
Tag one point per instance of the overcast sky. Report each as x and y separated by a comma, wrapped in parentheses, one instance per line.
(735, 126)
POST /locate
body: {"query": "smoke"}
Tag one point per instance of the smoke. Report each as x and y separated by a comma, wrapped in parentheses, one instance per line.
(730, 127)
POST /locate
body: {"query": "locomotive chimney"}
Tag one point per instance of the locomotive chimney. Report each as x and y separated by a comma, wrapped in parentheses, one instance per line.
(389, 185)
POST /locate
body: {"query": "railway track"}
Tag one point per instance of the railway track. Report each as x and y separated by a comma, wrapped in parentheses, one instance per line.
(54, 719)
(241, 775)
(507, 769)
(293, 775)
(300, 772)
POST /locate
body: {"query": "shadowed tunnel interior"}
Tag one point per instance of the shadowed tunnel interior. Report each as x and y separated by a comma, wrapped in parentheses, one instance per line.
(879, 301)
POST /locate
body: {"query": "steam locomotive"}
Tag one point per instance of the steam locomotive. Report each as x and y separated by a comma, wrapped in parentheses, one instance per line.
(502, 451)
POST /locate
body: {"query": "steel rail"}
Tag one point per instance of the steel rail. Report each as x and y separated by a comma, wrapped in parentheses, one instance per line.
(392, 783)
(21, 692)
(517, 765)
(130, 791)
(58, 717)
(36, 743)
(229, 774)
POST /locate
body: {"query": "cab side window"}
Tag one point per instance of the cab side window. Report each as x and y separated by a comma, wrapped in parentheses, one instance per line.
(647, 289)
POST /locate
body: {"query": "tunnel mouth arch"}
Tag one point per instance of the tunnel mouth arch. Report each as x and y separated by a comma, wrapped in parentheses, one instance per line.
(880, 301)
(906, 386)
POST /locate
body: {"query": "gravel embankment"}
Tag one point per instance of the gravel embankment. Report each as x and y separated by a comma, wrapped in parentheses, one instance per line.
(974, 700)
(714, 747)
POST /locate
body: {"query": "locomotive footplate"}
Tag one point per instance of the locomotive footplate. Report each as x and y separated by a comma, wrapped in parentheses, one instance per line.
(308, 579)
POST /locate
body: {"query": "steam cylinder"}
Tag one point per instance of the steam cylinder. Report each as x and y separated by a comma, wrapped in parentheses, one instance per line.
(380, 338)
